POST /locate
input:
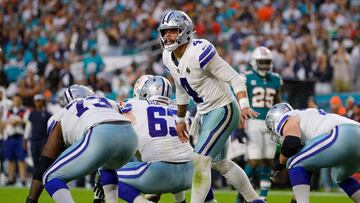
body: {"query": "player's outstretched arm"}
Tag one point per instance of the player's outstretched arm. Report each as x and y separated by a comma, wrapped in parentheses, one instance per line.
(246, 111)
(52, 149)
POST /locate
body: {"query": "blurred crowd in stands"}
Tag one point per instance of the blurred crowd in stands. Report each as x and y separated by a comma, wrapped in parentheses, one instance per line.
(42, 42)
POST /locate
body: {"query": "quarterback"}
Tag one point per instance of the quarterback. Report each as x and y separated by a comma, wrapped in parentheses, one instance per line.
(200, 73)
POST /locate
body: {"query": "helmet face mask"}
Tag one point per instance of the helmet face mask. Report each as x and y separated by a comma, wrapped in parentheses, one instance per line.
(261, 60)
(175, 20)
(272, 117)
(156, 88)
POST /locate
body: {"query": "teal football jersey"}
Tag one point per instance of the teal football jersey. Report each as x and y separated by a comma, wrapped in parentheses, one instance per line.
(262, 91)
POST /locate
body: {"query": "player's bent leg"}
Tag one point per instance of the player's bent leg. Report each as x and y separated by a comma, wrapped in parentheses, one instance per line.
(300, 182)
(59, 191)
(109, 183)
(157, 177)
(215, 131)
(130, 194)
(351, 188)
(236, 177)
(79, 160)
(265, 183)
(201, 182)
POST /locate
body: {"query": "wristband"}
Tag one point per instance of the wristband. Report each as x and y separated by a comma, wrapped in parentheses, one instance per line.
(180, 119)
(244, 103)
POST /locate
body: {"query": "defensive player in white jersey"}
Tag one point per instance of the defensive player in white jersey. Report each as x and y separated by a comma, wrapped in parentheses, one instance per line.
(263, 87)
(199, 72)
(166, 165)
(90, 133)
(313, 139)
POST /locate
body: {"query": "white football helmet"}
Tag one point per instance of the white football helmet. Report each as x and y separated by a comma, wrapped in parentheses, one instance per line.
(75, 92)
(273, 116)
(261, 60)
(178, 20)
(156, 88)
(139, 84)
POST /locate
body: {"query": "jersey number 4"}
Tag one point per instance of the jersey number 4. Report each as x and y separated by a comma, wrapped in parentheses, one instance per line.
(263, 97)
(158, 125)
(190, 91)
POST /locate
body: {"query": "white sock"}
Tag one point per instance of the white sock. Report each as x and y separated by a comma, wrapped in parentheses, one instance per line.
(111, 193)
(302, 193)
(201, 182)
(141, 199)
(356, 196)
(63, 196)
(238, 178)
(180, 196)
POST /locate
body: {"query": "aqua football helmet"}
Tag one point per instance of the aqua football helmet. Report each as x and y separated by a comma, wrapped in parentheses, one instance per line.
(156, 88)
(75, 92)
(176, 20)
(261, 60)
(273, 117)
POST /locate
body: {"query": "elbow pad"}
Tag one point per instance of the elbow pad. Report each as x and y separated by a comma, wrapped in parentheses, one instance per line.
(291, 146)
(42, 166)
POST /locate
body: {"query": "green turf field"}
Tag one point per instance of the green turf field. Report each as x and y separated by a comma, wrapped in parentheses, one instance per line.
(18, 195)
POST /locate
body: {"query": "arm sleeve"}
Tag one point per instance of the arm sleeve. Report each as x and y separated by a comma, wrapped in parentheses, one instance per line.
(182, 97)
(223, 71)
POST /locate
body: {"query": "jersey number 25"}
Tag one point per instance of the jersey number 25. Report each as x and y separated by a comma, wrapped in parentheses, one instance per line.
(263, 97)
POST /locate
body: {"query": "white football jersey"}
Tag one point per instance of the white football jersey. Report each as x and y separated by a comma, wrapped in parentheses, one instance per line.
(81, 114)
(155, 126)
(202, 74)
(314, 122)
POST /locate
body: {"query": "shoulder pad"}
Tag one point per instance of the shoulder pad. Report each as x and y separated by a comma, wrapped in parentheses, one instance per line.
(204, 51)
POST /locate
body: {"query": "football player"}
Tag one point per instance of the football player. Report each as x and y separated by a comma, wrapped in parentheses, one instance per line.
(87, 134)
(199, 72)
(263, 87)
(313, 139)
(166, 165)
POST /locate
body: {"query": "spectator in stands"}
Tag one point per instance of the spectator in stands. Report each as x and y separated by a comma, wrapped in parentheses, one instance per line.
(343, 70)
(66, 78)
(36, 127)
(32, 84)
(323, 72)
(93, 64)
(15, 148)
(356, 112)
(4, 105)
(349, 106)
(336, 106)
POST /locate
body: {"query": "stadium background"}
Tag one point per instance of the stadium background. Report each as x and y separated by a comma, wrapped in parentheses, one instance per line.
(108, 44)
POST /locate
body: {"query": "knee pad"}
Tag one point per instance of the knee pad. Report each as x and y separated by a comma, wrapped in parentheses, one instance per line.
(222, 166)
